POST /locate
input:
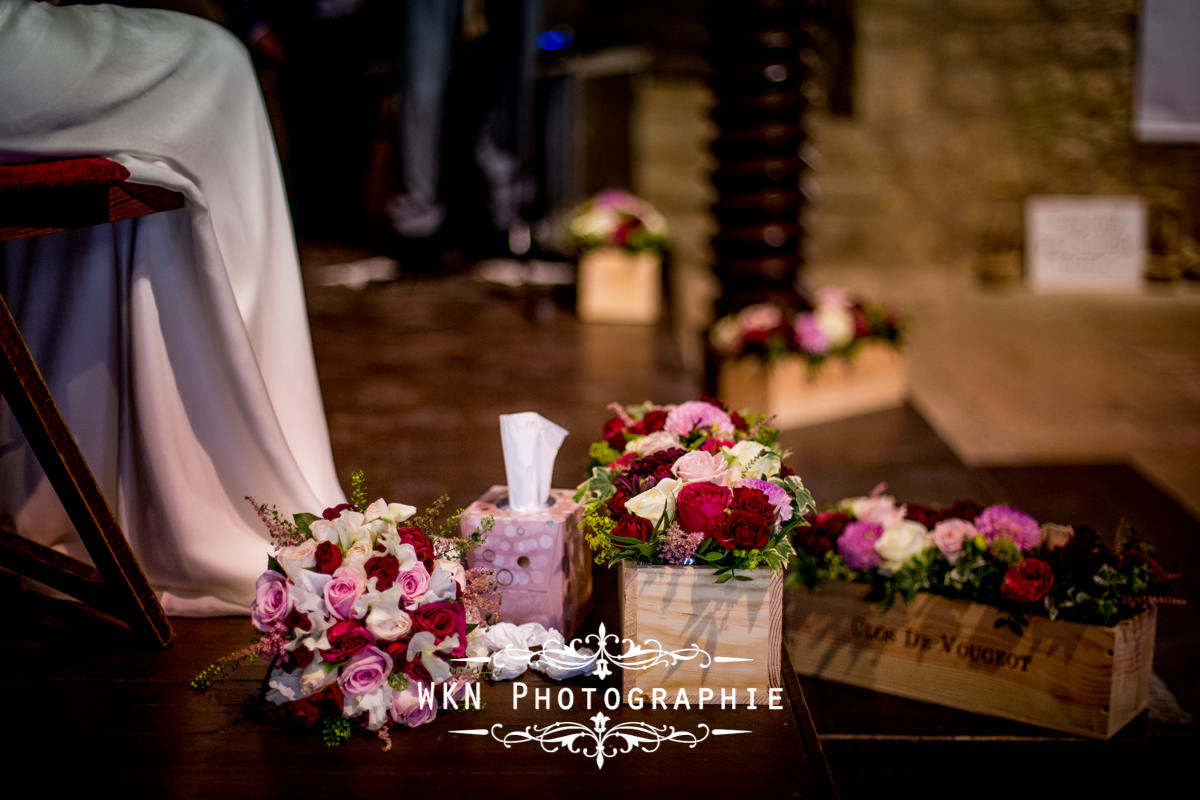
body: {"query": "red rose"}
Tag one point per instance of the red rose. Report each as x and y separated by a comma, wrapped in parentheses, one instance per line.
(1028, 580)
(822, 532)
(754, 502)
(616, 503)
(336, 511)
(652, 422)
(398, 650)
(443, 619)
(420, 542)
(701, 506)
(292, 660)
(631, 526)
(743, 531)
(739, 422)
(713, 401)
(329, 557)
(305, 711)
(346, 638)
(924, 515)
(614, 433)
(384, 570)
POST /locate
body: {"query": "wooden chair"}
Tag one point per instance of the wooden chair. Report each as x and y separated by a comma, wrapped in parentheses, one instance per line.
(38, 199)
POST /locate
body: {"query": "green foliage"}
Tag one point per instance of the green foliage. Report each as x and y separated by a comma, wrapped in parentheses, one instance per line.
(597, 531)
(602, 454)
(303, 521)
(358, 490)
(335, 730)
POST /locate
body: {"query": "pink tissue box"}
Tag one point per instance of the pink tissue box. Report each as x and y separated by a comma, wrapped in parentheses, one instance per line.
(542, 563)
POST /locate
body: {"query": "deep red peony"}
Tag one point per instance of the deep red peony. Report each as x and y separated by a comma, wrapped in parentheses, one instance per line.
(701, 506)
(1027, 581)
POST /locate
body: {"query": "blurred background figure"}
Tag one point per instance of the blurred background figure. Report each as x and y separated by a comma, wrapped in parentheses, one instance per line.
(494, 41)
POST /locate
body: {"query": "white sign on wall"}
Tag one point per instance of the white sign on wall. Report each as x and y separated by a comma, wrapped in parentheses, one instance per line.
(1085, 243)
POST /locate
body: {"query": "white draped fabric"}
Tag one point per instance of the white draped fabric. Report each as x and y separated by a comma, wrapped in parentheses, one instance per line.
(177, 345)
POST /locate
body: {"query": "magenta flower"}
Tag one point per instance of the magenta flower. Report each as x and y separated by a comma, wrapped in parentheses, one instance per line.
(1004, 522)
(857, 545)
(809, 335)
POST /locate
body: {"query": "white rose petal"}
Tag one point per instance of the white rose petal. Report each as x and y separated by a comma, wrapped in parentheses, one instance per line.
(376, 704)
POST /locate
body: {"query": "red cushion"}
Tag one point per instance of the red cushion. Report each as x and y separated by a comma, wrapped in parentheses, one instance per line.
(71, 172)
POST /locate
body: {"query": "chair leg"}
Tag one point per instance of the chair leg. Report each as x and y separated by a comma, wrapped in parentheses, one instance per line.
(117, 584)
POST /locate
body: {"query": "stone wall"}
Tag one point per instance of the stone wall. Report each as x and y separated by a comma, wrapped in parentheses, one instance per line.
(963, 108)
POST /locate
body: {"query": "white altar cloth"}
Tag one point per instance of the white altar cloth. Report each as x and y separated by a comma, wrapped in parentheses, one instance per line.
(177, 345)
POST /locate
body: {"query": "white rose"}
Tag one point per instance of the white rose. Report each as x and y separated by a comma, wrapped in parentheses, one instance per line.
(386, 620)
(652, 443)
(653, 503)
(359, 552)
(751, 460)
(316, 676)
(836, 323)
(899, 542)
(298, 557)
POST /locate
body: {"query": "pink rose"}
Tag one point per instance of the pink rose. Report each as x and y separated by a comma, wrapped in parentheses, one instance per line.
(700, 506)
(414, 583)
(949, 535)
(407, 708)
(342, 592)
(272, 602)
(365, 672)
(701, 466)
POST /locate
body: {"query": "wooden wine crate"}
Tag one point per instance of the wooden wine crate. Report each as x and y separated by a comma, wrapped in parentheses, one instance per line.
(618, 286)
(1083, 679)
(795, 395)
(677, 609)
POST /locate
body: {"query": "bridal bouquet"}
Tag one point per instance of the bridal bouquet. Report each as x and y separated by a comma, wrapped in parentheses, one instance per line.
(996, 555)
(691, 484)
(837, 324)
(363, 611)
(614, 218)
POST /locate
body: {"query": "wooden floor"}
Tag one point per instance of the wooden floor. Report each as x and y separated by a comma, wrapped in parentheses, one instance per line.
(414, 375)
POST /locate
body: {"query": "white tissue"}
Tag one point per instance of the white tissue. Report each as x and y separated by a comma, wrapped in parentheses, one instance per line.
(530, 443)
(556, 661)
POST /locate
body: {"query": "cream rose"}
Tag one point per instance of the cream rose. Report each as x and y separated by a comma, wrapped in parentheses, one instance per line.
(653, 503)
(298, 557)
(899, 542)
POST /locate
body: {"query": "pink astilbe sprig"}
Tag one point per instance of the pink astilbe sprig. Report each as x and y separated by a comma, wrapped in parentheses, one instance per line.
(283, 533)
(678, 546)
(268, 646)
(481, 597)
